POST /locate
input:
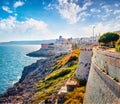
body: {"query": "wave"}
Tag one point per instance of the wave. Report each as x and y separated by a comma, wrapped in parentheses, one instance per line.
(15, 81)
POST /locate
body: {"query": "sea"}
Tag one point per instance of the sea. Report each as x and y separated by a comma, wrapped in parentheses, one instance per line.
(13, 59)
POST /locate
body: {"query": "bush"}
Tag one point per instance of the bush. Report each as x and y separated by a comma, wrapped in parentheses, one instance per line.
(55, 68)
(81, 82)
(117, 46)
(75, 97)
(116, 79)
(59, 74)
(71, 64)
(73, 58)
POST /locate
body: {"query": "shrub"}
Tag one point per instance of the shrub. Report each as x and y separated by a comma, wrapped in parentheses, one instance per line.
(103, 70)
(116, 79)
(117, 46)
(71, 64)
(77, 98)
(82, 82)
(55, 68)
(59, 74)
(73, 58)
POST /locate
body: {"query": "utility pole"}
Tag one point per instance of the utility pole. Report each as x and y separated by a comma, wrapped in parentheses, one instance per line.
(93, 32)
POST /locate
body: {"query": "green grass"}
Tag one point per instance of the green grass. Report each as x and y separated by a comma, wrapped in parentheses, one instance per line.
(117, 46)
(72, 56)
(59, 74)
(53, 82)
(57, 78)
(77, 98)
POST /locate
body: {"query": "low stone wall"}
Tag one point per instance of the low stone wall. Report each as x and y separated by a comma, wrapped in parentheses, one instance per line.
(101, 88)
(108, 61)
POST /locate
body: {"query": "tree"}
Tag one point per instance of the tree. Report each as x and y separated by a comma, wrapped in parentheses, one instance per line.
(109, 38)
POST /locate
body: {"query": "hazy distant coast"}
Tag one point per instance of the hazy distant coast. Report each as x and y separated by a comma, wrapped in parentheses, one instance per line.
(32, 42)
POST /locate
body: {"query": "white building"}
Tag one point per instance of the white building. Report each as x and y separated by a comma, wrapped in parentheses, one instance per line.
(62, 45)
(89, 40)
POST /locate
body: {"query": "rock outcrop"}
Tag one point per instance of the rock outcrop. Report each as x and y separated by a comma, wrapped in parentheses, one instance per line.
(22, 92)
(42, 52)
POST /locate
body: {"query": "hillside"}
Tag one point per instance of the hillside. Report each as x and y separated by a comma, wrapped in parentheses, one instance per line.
(42, 80)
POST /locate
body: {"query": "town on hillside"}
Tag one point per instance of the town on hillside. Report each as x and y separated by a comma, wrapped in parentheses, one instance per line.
(62, 45)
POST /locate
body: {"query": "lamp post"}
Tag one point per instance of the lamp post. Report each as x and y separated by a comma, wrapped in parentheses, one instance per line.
(93, 32)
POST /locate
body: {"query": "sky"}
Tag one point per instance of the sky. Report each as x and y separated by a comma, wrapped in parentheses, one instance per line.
(47, 19)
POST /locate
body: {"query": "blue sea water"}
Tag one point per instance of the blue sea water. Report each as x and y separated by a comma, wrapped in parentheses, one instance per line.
(12, 61)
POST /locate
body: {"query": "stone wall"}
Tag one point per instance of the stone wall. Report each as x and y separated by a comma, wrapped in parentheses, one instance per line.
(101, 88)
(108, 62)
(84, 63)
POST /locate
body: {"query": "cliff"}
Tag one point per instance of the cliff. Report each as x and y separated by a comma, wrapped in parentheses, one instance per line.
(41, 80)
(23, 91)
(42, 52)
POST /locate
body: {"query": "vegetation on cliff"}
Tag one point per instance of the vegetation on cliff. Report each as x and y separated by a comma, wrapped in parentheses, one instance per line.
(63, 69)
(43, 80)
(77, 98)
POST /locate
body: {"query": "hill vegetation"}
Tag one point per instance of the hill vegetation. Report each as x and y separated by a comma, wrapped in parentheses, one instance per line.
(77, 98)
(63, 69)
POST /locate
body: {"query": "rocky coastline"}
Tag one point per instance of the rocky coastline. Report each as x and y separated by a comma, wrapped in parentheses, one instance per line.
(22, 92)
(42, 52)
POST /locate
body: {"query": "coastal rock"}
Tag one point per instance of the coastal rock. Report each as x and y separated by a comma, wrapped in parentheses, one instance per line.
(23, 91)
(43, 52)
(31, 68)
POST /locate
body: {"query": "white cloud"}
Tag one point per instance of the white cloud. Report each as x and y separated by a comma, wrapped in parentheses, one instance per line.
(28, 27)
(71, 11)
(18, 4)
(100, 28)
(7, 24)
(118, 17)
(107, 9)
(95, 10)
(117, 5)
(108, 26)
(83, 19)
(116, 12)
(7, 9)
(107, 12)
(82, 15)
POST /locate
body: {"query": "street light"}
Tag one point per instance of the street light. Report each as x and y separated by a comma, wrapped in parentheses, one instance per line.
(93, 32)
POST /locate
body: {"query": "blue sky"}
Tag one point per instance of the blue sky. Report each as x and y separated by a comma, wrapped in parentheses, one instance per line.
(47, 19)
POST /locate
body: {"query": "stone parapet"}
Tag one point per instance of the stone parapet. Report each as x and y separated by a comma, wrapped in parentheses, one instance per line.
(101, 86)
(108, 61)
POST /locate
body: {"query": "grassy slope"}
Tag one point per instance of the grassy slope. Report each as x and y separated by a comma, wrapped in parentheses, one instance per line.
(62, 70)
(77, 98)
